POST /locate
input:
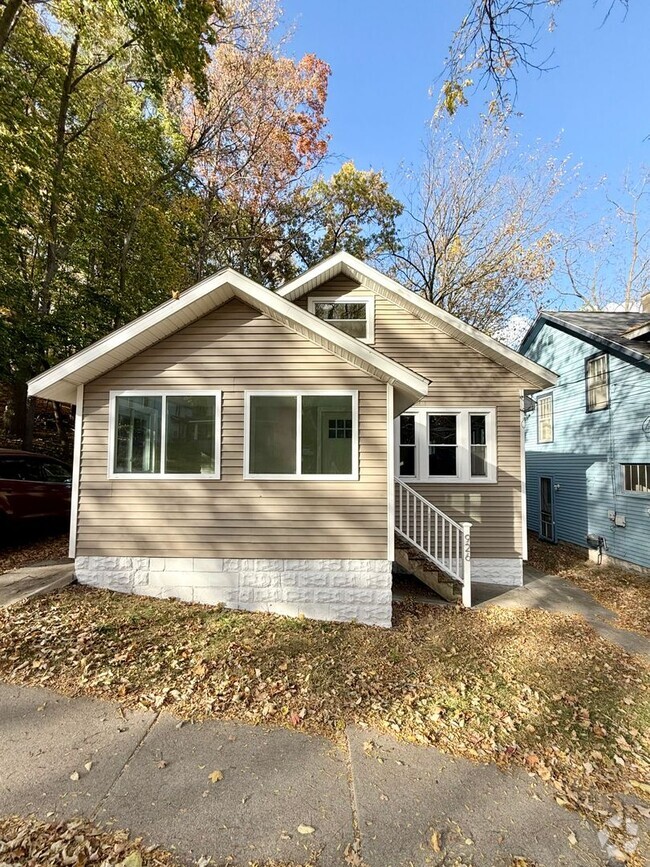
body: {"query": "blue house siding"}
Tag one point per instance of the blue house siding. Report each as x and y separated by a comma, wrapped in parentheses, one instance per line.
(584, 460)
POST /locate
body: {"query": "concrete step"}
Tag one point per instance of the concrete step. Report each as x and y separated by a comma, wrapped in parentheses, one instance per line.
(425, 570)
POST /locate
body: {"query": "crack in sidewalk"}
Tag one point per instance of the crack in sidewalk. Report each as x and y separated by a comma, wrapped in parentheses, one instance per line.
(94, 814)
(352, 853)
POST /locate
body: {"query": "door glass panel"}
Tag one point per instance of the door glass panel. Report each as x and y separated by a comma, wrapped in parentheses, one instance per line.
(546, 508)
(137, 433)
(273, 434)
(326, 445)
(190, 434)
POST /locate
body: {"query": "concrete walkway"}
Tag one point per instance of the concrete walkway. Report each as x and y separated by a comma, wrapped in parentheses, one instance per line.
(557, 594)
(548, 592)
(374, 802)
(35, 580)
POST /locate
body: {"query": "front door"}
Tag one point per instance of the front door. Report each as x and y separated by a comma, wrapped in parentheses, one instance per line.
(546, 517)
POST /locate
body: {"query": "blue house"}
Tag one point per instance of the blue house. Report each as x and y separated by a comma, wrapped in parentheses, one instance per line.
(588, 437)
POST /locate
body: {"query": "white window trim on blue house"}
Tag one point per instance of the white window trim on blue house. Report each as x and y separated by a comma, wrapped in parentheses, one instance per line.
(625, 491)
(538, 417)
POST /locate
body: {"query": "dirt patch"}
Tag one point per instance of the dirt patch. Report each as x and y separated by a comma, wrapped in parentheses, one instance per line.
(33, 547)
(623, 591)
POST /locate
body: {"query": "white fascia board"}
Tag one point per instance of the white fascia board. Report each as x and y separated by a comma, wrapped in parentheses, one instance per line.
(61, 381)
(75, 364)
(345, 263)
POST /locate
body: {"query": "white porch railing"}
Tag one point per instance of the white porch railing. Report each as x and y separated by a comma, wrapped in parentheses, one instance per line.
(443, 540)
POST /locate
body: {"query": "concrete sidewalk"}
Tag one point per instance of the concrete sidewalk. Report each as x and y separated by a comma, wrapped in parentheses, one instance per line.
(557, 594)
(374, 799)
(35, 580)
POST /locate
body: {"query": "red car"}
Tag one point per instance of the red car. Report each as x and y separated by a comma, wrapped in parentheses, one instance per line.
(33, 486)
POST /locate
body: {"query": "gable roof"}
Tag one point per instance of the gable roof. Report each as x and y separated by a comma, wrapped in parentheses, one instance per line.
(61, 381)
(618, 333)
(350, 266)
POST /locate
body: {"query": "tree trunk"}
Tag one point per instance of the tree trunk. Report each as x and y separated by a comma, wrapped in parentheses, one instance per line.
(8, 20)
(18, 409)
(58, 420)
(60, 147)
(28, 438)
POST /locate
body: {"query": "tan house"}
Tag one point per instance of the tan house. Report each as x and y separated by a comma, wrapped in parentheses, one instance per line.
(279, 451)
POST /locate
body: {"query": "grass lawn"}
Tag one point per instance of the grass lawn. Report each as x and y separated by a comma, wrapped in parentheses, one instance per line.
(529, 687)
(625, 592)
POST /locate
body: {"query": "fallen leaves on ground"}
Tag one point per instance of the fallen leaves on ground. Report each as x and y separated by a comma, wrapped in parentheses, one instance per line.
(623, 591)
(28, 842)
(526, 687)
(33, 548)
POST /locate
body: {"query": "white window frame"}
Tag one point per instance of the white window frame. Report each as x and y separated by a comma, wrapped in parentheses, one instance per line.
(399, 445)
(538, 417)
(463, 462)
(624, 490)
(368, 300)
(299, 394)
(590, 386)
(163, 393)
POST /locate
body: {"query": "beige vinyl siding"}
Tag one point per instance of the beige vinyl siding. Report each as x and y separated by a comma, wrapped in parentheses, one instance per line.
(234, 349)
(460, 377)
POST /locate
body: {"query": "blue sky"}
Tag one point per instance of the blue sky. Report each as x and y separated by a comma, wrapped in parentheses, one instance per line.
(386, 56)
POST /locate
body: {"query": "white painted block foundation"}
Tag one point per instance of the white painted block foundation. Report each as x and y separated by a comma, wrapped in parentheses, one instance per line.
(510, 572)
(341, 590)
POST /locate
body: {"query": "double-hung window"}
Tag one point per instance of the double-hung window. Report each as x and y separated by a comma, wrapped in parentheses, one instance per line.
(545, 419)
(308, 435)
(157, 434)
(352, 314)
(407, 451)
(443, 444)
(597, 381)
(447, 445)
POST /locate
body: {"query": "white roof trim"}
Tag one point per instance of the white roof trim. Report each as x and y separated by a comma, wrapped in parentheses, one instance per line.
(60, 382)
(356, 269)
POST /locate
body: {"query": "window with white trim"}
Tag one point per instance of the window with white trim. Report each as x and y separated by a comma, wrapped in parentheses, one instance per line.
(447, 445)
(164, 434)
(443, 444)
(545, 418)
(636, 478)
(306, 434)
(597, 379)
(352, 314)
(407, 456)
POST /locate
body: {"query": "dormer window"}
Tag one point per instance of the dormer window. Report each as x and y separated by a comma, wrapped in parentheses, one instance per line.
(352, 314)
